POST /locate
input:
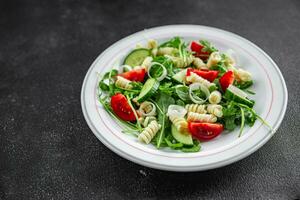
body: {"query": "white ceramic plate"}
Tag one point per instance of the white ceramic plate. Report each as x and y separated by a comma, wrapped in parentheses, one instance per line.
(271, 100)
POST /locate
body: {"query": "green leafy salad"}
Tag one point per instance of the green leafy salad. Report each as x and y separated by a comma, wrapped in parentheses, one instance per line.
(178, 94)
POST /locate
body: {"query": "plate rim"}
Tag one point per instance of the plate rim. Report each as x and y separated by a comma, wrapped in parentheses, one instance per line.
(193, 168)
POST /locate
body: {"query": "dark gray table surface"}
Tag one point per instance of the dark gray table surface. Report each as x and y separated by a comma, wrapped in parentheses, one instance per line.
(47, 150)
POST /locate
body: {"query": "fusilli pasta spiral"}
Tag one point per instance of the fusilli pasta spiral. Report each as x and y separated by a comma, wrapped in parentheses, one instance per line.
(147, 62)
(194, 78)
(242, 75)
(229, 61)
(201, 117)
(196, 108)
(154, 51)
(215, 110)
(215, 97)
(166, 51)
(123, 83)
(152, 44)
(148, 120)
(179, 122)
(199, 63)
(180, 62)
(149, 132)
(213, 59)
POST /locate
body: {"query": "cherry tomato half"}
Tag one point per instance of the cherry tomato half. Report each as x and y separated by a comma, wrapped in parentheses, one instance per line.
(209, 75)
(196, 47)
(121, 107)
(134, 75)
(226, 80)
(205, 131)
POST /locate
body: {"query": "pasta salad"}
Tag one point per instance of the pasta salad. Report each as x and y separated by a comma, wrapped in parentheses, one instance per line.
(177, 94)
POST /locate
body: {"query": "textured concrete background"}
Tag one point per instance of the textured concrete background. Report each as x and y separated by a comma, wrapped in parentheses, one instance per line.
(46, 148)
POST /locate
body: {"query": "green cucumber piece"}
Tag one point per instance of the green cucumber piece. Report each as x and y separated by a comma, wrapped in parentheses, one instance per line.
(184, 138)
(149, 89)
(235, 94)
(136, 57)
(180, 76)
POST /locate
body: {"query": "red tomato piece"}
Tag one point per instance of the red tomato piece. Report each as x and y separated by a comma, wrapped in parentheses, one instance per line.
(226, 80)
(196, 47)
(205, 131)
(209, 75)
(137, 75)
(121, 107)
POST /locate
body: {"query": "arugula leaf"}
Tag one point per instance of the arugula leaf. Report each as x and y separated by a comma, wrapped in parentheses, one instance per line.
(230, 109)
(114, 72)
(105, 76)
(106, 83)
(103, 86)
(199, 93)
(173, 145)
(136, 85)
(174, 42)
(207, 46)
(166, 62)
(231, 115)
(163, 102)
(111, 85)
(162, 143)
(250, 92)
(242, 122)
(182, 92)
(255, 114)
(243, 85)
(166, 88)
(237, 114)
(230, 123)
(250, 118)
(219, 67)
(180, 103)
(183, 53)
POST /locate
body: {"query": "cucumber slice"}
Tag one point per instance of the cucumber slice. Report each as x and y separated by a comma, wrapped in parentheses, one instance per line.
(184, 138)
(180, 76)
(237, 95)
(149, 89)
(136, 57)
(237, 91)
